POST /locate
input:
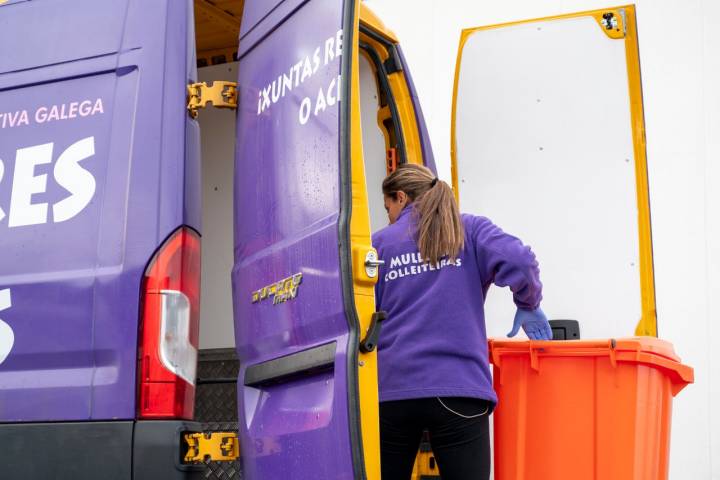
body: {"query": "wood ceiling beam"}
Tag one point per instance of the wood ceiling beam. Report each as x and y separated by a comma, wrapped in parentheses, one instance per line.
(229, 21)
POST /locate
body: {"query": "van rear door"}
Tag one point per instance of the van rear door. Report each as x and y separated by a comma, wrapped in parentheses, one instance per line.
(94, 138)
(548, 141)
(303, 299)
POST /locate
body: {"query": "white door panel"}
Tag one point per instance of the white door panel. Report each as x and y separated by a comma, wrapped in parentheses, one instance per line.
(544, 148)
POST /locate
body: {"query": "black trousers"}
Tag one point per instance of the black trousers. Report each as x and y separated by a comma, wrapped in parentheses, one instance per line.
(459, 435)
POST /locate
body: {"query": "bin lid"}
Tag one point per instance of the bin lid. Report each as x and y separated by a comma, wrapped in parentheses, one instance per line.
(645, 350)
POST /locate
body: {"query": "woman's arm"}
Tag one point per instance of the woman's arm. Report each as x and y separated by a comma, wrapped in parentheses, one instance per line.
(505, 261)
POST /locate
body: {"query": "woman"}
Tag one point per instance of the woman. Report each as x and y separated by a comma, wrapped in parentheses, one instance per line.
(433, 362)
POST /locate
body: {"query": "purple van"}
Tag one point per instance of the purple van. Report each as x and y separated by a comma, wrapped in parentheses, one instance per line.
(100, 232)
(104, 188)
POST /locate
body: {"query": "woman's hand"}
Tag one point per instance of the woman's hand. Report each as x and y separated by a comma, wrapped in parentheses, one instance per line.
(533, 322)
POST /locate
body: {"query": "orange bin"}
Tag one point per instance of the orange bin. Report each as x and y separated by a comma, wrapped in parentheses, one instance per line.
(584, 410)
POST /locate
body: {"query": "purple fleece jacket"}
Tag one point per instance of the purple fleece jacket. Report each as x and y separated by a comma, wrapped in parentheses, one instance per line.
(433, 342)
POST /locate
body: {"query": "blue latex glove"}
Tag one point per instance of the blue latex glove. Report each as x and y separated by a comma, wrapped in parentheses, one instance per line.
(533, 322)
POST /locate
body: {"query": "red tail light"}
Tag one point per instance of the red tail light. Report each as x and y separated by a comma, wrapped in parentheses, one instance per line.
(169, 329)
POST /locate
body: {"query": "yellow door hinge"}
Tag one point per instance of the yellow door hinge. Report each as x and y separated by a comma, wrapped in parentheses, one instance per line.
(213, 446)
(221, 94)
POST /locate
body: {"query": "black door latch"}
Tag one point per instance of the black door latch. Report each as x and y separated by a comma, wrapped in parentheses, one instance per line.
(373, 333)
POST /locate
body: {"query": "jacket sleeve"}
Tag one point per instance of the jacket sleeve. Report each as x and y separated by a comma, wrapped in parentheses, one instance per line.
(506, 262)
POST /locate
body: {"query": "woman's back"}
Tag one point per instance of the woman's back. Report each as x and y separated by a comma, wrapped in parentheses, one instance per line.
(433, 342)
(432, 353)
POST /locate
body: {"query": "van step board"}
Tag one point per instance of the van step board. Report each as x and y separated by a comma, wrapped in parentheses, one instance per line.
(216, 403)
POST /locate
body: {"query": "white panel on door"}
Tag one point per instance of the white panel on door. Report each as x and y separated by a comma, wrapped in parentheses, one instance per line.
(544, 148)
(373, 145)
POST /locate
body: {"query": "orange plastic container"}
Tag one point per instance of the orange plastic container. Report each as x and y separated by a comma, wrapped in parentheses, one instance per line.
(584, 410)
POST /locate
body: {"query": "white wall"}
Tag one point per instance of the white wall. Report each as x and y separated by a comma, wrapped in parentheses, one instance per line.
(680, 61)
(217, 136)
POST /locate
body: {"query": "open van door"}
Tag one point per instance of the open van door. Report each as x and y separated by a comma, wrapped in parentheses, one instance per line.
(302, 292)
(548, 141)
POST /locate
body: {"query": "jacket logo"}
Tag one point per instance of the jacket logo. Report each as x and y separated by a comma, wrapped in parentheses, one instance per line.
(282, 291)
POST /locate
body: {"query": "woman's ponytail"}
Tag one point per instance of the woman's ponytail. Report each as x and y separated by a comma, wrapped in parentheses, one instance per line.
(439, 227)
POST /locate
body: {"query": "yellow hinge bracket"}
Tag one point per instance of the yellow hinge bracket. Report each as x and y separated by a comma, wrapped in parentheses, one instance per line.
(221, 94)
(213, 446)
(613, 23)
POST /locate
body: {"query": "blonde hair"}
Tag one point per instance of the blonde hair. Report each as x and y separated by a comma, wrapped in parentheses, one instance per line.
(439, 227)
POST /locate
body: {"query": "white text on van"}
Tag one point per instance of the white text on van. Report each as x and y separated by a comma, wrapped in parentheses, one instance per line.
(67, 173)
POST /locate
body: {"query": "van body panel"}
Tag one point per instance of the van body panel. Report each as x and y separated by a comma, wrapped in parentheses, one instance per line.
(293, 389)
(113, 450)
(192, 200)
(100, 21)
(255, 12)
(42, 450)
(87, 195)
(158, 451)
(259, 18)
